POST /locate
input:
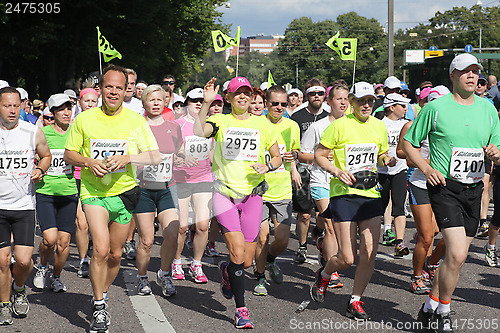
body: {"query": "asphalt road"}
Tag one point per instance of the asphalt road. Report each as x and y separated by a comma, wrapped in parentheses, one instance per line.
(202, 308)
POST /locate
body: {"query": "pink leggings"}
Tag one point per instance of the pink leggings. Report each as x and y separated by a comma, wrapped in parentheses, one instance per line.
(243, 215)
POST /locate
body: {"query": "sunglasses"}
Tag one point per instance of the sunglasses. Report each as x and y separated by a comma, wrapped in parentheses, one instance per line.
(283, 104)
(479, 83)
(48, 118)
(170, 83)
(196, 100)
(316, 93)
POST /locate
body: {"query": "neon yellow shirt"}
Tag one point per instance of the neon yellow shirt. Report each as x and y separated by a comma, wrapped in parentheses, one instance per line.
(347, 135)
(240, 144)
(93, 132)
(279, 180)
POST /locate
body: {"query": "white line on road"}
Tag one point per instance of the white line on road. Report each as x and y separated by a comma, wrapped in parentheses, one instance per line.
(146, 308)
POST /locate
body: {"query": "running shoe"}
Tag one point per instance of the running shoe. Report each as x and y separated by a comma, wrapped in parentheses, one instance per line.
(431, 270)
(211, 251)
(301, 255)
(274, 272)
(388, 238)
(241, 318)
(225, 284)
(442, 323)
(261, 287)
(196, 272)
(143, 287)
(490, 255)
(177, 272)
(5, 314)
(355, 311)
(83, 270)
(425, 318)
(57, 285)
(321, 255)
(101, 319)
(19, 300)
(482, 231)
(401, 250)
(319, 287)
(41, 276)
(335, 281)
(166, 284)
(418, 286)
(129, 250)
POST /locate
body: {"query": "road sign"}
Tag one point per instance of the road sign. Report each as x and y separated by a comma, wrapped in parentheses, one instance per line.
(468, 48)
(414, 56)
(434, 54)
(433, 48)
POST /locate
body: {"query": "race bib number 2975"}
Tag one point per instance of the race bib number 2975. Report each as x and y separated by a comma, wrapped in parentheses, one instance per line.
(241, 144)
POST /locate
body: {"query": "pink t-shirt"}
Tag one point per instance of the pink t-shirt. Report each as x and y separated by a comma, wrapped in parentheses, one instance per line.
(77, 172)
(197, 147)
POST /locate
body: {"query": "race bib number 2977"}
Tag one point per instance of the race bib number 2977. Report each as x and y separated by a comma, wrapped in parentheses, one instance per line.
(98, 148)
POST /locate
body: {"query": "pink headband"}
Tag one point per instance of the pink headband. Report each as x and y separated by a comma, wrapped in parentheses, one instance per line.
(88, 91)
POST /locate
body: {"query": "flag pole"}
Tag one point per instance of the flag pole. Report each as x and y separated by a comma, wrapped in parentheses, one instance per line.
(237, 58)
(354, 72)
(100, 63)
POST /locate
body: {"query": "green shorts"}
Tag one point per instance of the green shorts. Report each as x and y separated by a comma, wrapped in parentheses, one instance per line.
(114, 205)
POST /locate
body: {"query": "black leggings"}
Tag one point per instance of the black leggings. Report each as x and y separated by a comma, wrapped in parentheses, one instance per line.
(395, 186)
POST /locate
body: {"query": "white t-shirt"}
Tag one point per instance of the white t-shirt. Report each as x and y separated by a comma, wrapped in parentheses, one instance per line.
(417, 178)
(393, 131)
(135, 105)
(326, 107)
(308, 144)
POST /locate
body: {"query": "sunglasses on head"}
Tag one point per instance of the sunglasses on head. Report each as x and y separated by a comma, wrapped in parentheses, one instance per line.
(48, 118)
(283, 104)
(170, 83)
(318, 93)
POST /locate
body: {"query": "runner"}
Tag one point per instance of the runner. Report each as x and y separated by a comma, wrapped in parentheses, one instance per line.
(109, 138)
(258, 102)
(158, 195)
(393, 179)
(359, 142)
(19, 142)
(241, 140)
(194, 185)
(277, 206)
(462, 129)
(320, 179)
(88, 100)
(490, 251)
(56, 199)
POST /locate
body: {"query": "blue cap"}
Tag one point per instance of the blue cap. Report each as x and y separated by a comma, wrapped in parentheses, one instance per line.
(404, 86)
(482, 77)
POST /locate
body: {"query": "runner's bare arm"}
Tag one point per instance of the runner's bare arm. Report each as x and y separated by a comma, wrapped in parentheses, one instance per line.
(321, 157)
(493, 153)
(151, 157)
(385, 160)
(400, 152)
(276, 160)
(201, 128)
(75, 158)
(43, 151)
(433, 176)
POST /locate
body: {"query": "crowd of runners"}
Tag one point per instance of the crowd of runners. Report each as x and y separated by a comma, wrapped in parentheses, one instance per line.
(247, 162)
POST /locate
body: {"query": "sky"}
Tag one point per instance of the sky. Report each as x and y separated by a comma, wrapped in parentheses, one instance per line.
(271, 17)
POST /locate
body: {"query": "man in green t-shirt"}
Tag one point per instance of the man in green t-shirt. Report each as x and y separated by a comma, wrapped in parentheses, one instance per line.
(108, 143)
(462, 129)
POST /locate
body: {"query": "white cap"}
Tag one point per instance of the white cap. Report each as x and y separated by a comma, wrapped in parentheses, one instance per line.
(462, 61)
(177, 99)
(23, 92)
(71, 93)
(263, 86)
(3, 84)
(294, 90)
(224, 86)
(436, 92)
(195, 93)
(362, 89)
(394, 98)
(417, 92)
(46, 111)
(392, 82)
(57, 100)
(140, 84)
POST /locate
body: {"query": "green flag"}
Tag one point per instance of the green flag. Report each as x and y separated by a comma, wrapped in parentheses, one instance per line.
(270, 80)
(345, 47)
(107, 50)
(222, 41)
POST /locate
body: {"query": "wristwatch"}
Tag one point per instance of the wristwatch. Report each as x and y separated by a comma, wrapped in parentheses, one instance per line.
(270, 166)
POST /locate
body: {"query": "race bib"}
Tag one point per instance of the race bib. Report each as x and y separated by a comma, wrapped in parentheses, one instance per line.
(241, 144)
(393, 137)
(159, 173)
(281, 168)
(115, 147)
(198, 147)
(14, 163)
(467, 165)
(57, 166)
(361, 157)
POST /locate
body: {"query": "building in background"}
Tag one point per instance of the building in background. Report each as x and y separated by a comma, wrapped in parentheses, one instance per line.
(259, 43)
